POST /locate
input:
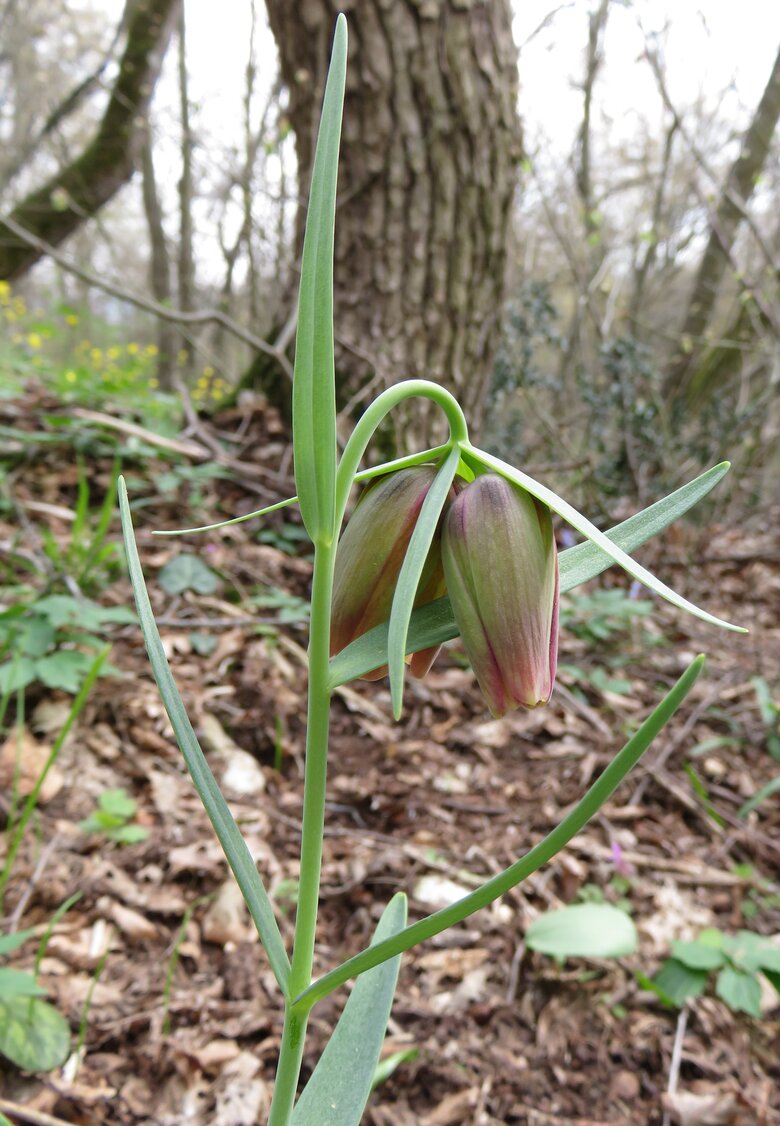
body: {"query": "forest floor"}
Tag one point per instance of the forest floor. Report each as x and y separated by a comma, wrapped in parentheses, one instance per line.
(157, 960)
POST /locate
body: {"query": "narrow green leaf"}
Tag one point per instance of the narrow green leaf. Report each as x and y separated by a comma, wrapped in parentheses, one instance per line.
(411, 572)
(314, 395)
(601, 790)
(33, 1035)
(603, 542)
(390, 1064)
(760, 796)
(434, 624)
(31, 801)
(586, 560)
(584, 930)
(338, 1090)
(233, 844)
(741, 991)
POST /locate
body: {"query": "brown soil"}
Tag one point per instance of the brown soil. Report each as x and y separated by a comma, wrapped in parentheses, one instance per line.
(158, 961)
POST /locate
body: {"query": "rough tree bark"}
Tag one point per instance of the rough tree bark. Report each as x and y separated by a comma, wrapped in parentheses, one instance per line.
(429, 153)
(78, 191)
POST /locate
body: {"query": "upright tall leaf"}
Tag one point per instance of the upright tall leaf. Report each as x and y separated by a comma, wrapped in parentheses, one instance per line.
(314, 395)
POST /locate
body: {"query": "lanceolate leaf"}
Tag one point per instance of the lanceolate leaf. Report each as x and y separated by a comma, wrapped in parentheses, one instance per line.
(411, 571)
(591, 532)
(338, 1089)
(314, 396)
(216, 807)
(601, 790)
(434, 624)
(586, 560)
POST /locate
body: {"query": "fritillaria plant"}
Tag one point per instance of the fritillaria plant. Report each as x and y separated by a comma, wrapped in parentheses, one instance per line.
(445, 542)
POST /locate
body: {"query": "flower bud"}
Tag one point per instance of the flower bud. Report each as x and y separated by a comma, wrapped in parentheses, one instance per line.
(501, 567)
(369, 559)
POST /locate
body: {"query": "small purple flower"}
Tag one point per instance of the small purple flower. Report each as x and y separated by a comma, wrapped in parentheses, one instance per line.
(622, 866)
(501, 566)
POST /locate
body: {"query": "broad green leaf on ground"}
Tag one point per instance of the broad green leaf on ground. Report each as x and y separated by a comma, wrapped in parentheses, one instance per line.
(33, 1035)
(679, 982)
(11, 942)
(741, 991)
(698, 955)
(18, 983)
(187, 572)
(752, 952)
(338, 1089)
(65, 669)
(585, 930)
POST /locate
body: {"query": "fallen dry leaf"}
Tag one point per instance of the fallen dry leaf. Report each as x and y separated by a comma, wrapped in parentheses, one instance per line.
(22, 760)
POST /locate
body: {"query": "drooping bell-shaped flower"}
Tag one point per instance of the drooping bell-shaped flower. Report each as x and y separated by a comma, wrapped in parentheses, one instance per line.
(369, 558)
(501, 567)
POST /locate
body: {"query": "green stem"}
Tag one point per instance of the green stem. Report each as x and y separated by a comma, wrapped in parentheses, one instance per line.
(382, 405)
(316, 767)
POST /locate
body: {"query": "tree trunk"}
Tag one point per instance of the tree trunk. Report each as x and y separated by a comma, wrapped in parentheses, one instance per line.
(429, 152)
(186, 257)
(740, 182)
(159, 264)
(77, 192)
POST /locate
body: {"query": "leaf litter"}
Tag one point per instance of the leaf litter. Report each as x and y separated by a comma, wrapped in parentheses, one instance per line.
(158, 959)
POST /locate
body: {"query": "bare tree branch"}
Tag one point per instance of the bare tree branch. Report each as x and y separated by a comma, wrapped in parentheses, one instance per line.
(78, 191)
(177, 316)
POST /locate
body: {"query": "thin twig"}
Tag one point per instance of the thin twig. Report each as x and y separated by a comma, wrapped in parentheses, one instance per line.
(34, 1117)
(43, 860)
(674, 1066)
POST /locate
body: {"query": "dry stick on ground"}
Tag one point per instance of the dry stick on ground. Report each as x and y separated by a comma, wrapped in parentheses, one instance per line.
(33, 1117)
(674, 1066)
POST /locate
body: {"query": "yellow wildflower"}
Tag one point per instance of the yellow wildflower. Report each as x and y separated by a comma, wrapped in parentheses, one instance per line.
(34, 340)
